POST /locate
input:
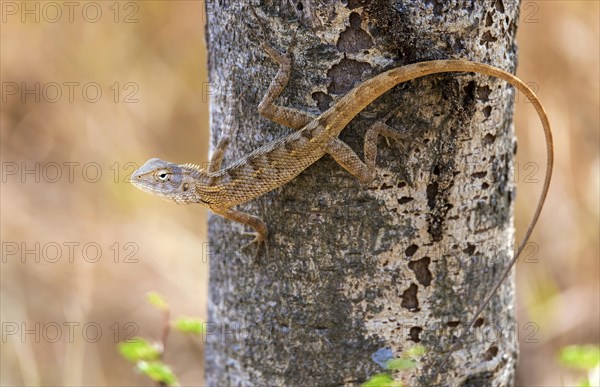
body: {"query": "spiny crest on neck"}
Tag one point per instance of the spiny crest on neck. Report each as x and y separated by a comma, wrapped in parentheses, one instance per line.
(194, 170)
(192, 166)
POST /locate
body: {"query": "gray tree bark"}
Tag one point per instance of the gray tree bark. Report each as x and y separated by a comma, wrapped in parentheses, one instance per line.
(354, 270)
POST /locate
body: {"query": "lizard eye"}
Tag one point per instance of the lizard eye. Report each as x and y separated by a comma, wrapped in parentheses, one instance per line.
(162, 175)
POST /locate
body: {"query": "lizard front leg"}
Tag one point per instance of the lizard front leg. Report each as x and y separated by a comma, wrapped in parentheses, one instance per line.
(293, 118)
(218, 154)
(261, 231)
(217, 157)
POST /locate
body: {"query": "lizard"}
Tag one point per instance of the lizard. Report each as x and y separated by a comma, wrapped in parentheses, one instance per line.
(279, 162)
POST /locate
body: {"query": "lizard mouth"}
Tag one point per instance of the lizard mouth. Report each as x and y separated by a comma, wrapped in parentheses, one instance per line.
(138, 181)
(145, 187)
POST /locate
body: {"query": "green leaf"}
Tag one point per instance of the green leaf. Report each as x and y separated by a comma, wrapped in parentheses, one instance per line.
(189, 325)
(415, 351)
(381, 380)
(138, 349)
(157, 301)
(584, 357)
(158, 371)
(400, 364)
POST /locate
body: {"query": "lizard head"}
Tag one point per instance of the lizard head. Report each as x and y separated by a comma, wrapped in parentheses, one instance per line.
(166, 180)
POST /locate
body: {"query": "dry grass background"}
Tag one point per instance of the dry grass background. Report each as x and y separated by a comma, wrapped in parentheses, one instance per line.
(160, 58)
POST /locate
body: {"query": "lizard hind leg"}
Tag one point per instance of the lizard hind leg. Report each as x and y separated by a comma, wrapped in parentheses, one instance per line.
(349, 160)
(379, 128)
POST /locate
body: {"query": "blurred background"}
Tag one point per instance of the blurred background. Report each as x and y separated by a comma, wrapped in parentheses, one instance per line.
(89, 95)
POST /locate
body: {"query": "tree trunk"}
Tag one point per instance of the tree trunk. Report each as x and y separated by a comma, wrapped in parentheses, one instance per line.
(356, 270)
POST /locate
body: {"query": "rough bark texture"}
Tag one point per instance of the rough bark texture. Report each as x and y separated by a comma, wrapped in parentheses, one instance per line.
(354, 270)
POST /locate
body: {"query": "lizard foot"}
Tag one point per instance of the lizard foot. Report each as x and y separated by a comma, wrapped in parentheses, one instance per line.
(261, 244)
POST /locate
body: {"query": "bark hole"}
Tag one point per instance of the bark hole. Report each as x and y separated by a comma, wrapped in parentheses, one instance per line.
(499, 6)
(354, 39)
(411, 250)
(488, 38)
(405, 199)
(470, 90)
(490, 353)
(432, 191)
(421, 270)
(489, 139)
(409, 298)
(345, 74)
(470, 249)
(483, 93)
(414, 334)
(478, 380)
(487, 111)
(323, 100)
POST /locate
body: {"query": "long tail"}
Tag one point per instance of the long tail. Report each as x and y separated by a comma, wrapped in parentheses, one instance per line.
(361, 96)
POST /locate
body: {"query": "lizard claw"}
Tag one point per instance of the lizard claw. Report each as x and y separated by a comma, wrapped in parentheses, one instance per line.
(258, 238)
(261, 243)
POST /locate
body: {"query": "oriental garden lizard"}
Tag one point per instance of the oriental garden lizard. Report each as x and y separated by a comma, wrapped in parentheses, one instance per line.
(278, 162)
